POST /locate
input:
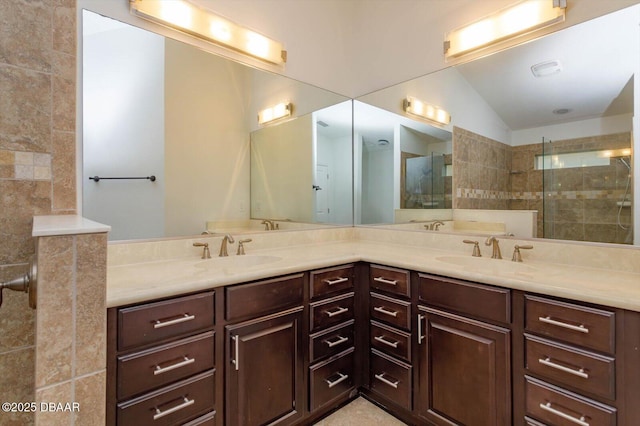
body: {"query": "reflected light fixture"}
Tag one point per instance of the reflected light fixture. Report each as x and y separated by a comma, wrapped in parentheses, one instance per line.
(275, 112)
(521, 18)
(184, 16)
(421, 109)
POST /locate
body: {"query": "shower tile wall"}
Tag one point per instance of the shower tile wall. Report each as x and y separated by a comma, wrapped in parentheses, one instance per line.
(581, 203)
(37, 163)
(480, 172)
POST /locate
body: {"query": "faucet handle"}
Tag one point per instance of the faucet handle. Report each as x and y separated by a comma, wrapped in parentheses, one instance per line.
(241, 246)
(517, 257)
(206, 254)
(476, 247)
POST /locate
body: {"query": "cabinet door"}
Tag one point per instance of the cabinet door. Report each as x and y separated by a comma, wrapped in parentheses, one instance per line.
(264, 363)
(464, 370)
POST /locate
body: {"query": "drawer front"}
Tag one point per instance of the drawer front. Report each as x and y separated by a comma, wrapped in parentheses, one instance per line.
(264, 297)
(551, 405)
(152, 368)
(332, 280)
(152, 322)
(581, 325)
(208, 419)
(390, 341)
(391, 379)
(476, 300)
(391, 311)
(330, 342)
(330, 379)
(582, 370)
(331, 311)
(171, 405)
(391, 280)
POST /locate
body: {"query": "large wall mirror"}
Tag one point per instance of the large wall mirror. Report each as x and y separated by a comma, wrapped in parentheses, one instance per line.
(153, 106)
(542, 138)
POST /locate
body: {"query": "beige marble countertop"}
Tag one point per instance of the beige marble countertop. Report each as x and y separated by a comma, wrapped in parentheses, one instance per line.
(137, 282)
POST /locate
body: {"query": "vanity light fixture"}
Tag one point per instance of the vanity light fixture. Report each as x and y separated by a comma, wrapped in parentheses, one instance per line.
(184, 16)
(275, 112)
(421, 109)
(521, 18)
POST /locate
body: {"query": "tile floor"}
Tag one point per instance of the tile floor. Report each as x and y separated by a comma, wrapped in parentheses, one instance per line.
(360, 412)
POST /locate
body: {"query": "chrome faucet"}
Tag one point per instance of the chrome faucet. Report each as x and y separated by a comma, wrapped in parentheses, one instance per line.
(223, 246)
(517, 257)
(492, 240)
(268, 225)
(206, 254)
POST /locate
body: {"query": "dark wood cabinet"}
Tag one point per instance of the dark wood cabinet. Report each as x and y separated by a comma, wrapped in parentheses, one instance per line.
(465, 371)
(264, 364)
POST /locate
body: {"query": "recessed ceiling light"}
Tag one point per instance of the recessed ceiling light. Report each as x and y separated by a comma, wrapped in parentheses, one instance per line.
(544, 69)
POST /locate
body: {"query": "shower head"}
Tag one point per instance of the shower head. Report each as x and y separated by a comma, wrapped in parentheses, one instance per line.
(623, 161)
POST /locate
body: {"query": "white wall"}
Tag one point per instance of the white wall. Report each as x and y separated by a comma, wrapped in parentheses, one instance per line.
(377, 186)
(282, 170)
(207, 140)
(116, 78)
(336, 153)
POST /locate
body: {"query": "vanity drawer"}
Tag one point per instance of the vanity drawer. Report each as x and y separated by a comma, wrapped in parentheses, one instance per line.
(263, 297)
(331, 280)
(390, 341)
(171, 405)
(391, 379)
(391, 280)
(158, 366)
(331, 311)
(582, 370)
(476, 300)
(554, 406)
(330, 379)
(208, 419)
(580, 325)
(152, 322)
(330, 342)
(391, 311)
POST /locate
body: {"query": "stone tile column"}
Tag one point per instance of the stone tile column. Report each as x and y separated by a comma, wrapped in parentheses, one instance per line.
(70, 342)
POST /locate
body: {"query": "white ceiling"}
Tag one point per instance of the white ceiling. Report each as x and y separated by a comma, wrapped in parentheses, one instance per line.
(598, 58)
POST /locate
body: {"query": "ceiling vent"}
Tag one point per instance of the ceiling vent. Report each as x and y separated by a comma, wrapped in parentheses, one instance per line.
(544, 69)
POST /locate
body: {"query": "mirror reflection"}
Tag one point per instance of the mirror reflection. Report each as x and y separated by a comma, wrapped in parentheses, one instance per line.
(542, 133)
(184, 116)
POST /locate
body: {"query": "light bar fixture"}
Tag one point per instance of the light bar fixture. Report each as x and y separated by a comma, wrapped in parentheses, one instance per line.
(275, 112)
(191, 19)
(521, 18)
(421, 109)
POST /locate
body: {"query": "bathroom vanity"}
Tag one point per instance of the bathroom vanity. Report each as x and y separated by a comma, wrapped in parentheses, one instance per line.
(430, 347)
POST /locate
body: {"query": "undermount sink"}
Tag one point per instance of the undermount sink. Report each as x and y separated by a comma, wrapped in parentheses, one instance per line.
(245, 261)
(486, 265)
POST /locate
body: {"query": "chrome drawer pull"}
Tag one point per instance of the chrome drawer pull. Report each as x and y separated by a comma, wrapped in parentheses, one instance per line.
(336, 281)
(338, 311)
(187, 402)
(580, 421)
(421, 337)
(336, 342)
(382, 310)
(385, 281)
(342, 378)
(387, 382)
(183, 318)
(547, 361)
(160, 370)
(581, 328)
(384, 341)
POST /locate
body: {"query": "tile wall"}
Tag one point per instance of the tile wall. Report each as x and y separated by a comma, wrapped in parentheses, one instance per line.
(37, 163)
(581, 202)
